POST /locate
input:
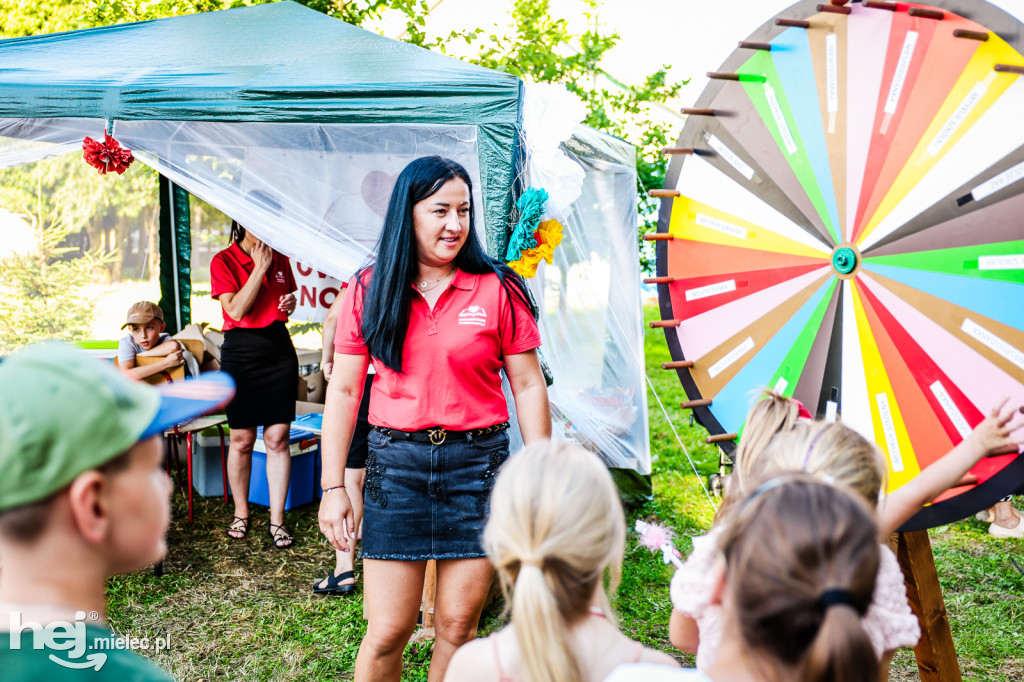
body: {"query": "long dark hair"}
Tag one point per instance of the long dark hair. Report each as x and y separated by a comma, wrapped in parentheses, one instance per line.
(388, 296)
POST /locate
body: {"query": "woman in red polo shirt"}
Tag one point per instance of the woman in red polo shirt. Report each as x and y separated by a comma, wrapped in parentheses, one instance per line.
(439, 319)
(254, 284)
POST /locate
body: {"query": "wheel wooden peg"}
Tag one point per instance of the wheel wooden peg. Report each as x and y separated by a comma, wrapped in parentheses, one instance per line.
(721, 438)
(697, 112)
(748, 45)
(676, 151)
(793, 23)
(662, 193)
(970, 35)
(661, 324)
(659, 237)
(834, 9)
(881, 4)
(677, 364)
(690, 404)
(1009, 68)
(925, 13)
(659, 280)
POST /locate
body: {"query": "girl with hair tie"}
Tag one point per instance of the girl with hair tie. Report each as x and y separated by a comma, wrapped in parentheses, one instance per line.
(556, 528)
(439, 319)
(777, 442)
(794, 578)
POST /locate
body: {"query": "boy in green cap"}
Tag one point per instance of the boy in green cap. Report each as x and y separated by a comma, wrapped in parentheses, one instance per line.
(83, 496)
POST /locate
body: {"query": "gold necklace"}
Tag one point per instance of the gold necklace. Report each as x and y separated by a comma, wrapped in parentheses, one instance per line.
(425, 286)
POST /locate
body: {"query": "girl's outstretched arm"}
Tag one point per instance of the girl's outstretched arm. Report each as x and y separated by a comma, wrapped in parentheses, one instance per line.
(991, 435)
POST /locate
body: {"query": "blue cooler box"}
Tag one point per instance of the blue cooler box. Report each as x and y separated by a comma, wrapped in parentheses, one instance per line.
(305, 449)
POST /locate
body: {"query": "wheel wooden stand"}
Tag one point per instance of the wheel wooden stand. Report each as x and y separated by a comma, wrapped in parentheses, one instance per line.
(426, 630)
(935, 652)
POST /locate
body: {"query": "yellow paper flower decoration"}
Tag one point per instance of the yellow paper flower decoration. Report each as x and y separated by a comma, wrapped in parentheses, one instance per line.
(548, 235)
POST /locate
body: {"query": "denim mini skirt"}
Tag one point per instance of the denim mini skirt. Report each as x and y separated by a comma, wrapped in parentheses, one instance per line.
(424, 501)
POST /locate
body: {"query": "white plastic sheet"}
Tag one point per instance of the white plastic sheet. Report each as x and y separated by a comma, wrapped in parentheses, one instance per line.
(591, 313)
(333, 182)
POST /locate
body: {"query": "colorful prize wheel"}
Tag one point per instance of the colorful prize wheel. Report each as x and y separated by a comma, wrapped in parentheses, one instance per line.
(843, 222)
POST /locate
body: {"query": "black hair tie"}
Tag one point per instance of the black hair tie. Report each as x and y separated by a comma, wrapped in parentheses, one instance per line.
(835, 597)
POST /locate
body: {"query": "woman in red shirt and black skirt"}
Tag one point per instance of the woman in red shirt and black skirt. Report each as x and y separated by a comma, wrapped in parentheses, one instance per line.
(439, 319)
(255, 287)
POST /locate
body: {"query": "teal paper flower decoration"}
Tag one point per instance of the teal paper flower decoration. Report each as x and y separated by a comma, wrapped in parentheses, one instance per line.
(531, 208)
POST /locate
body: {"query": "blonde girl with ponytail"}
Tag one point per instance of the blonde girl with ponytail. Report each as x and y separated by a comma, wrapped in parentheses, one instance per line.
(555, 533)
(794, 577)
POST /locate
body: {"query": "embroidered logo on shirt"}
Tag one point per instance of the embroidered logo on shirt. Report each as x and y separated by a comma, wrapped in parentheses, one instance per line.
(474, 314)
(280, 277)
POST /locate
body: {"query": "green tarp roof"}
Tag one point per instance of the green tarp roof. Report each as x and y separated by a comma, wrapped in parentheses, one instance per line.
(280, 62)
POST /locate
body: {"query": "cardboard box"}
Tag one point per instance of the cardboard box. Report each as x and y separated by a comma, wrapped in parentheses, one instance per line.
(316, 388)
(303, 407)
(175, 373)
(304, 448)
(214, 339)
(192, 338)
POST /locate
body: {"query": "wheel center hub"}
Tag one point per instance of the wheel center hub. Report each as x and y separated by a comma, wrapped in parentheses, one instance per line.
(844, 260)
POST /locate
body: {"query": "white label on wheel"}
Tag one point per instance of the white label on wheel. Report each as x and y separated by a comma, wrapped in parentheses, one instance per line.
(721, 226)
(711, 290)
(1008, 262)
(951, 410)
(780, 386)
(731, 357)
(900, 77)
(889, 429)
(993, 342)
(1004, 179)
(831, 411)
(730, 157)
(780, 119)
(832, 72)
(958, 117)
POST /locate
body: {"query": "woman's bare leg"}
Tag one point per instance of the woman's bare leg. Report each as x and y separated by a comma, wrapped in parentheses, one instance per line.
(462, 586)
(391, 593)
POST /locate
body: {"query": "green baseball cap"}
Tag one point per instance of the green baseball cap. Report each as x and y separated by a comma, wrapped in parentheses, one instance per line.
(63, 413)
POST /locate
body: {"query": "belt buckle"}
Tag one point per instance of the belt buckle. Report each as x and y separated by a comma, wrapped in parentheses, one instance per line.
(438, 435)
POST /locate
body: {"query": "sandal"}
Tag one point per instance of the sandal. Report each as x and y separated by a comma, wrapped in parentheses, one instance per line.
(238, 525)
(332, 586)
(281, 538)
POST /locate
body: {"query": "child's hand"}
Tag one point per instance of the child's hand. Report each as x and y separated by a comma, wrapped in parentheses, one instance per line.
(174, 359)
(993, 433)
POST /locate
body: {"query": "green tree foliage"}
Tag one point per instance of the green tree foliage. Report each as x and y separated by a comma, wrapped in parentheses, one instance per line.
(41, 289)
(542, 48)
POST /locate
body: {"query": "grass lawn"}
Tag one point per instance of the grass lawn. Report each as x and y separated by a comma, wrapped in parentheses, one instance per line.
(242, 610)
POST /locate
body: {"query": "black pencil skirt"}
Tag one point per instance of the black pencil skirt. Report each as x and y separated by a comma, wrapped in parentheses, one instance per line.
(266, 371)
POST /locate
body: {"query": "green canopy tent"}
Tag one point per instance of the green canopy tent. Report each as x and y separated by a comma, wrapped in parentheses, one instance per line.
(332, 89)
(321, 116)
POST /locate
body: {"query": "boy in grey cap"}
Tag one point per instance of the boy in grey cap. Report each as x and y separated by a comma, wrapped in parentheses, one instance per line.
(83, 496)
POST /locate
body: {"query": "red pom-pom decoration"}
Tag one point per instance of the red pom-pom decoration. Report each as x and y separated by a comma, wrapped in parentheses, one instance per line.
(106, 156)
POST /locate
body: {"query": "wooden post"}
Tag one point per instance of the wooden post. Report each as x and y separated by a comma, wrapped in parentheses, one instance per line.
(426, 630)
(935, 652)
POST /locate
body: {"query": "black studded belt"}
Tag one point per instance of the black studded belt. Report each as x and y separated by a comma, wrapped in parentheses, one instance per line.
(438, 434)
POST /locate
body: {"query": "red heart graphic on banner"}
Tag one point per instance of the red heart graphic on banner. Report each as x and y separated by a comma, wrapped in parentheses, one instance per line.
(377, 187)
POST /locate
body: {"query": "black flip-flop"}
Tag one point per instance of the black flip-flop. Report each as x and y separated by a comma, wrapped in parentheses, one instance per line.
(333, 587)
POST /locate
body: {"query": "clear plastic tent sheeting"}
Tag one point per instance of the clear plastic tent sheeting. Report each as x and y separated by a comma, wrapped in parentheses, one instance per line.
(591, 313)
(332, 181)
